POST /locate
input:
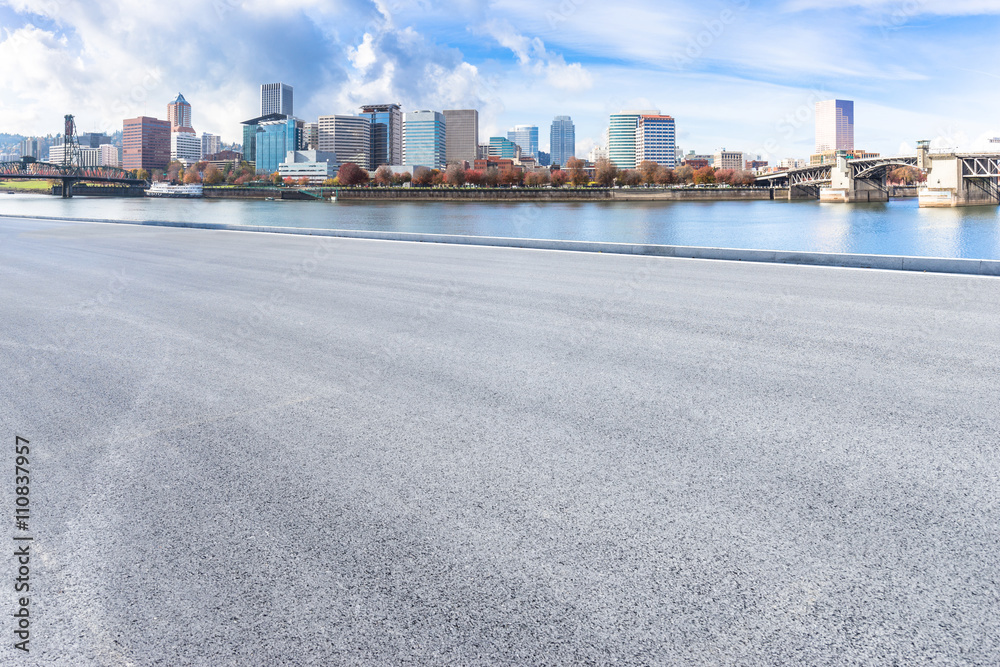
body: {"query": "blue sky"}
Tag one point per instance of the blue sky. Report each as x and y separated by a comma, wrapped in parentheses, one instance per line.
(740, 74)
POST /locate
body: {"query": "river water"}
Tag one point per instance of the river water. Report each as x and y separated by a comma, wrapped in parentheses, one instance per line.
(896, 228)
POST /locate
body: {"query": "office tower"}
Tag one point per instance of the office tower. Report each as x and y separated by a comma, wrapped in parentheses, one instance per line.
(210, 144)
(424, 139)
(348, 137)
(275, 98)
(461, 135)
(621, 137)
(562, 140)
(525, 136)
(275, 136)
(145, 143)
(179, 115)
(386, 123)
(834, 126)
(655, 140)
(311, 136)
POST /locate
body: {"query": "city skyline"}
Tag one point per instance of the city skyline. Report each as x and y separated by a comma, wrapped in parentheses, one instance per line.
(732, 74)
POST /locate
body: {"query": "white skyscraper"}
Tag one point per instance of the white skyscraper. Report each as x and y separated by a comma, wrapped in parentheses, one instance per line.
(834, 126)
(275, 98)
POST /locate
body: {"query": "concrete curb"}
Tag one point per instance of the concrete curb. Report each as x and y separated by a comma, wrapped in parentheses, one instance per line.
(984, 267)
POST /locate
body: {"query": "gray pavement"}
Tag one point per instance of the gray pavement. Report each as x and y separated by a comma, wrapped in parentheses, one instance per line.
(254, 449)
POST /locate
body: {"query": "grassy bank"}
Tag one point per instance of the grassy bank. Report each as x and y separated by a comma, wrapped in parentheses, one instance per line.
(25, 186)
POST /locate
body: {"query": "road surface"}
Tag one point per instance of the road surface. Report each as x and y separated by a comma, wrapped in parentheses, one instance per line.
(258, 449)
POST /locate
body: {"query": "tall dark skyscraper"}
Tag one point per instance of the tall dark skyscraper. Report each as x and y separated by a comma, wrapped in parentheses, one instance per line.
(386, 123)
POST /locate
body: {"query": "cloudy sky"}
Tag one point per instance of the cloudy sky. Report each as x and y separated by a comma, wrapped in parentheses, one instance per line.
(740, 74)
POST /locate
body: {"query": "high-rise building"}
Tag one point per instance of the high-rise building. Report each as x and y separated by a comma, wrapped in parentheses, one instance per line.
(525, 136)
(386, 124)
(210, 144)
(621, 137)
(275, 98)
(93, 139)
(724, 159)
(276, 135)
(179, 115)
(185, 147)
(145, 143)
(655, 140)
(348, 137)
(424, 139)
(503, 147)
(311, 136)
(461, 135)
(562, 140)
(834, 126)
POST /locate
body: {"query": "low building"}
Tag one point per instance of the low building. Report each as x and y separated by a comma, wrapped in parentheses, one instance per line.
(503, 147)
(501, 164)
(724, 159)
(317, 166)
(754, 165)
(830, 157)
(222, 158)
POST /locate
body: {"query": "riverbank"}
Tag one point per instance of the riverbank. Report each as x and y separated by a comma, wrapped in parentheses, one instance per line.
(501, 194)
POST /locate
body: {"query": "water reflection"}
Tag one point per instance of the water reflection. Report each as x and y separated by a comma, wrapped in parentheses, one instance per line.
(899, 227)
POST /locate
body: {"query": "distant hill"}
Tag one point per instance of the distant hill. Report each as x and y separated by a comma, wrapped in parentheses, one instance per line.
(10, 138)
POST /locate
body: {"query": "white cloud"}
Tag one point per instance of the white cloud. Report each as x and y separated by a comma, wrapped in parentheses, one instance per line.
(534, 58)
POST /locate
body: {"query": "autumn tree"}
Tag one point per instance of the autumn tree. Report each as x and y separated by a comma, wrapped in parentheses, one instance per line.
(213, 176)
(743, 177)
(605, 172)
(191, 177)
(474, 177)
(664, 176)
(575, 169)
(383, 175)
(492, 177)
(454, 175)
(400, 179)
(558, 178)
(422, 177)
(704, 176)
(648, 169)
(684, 174)
(351, 174)
(724, 176)
(141, 174)
(304, 181)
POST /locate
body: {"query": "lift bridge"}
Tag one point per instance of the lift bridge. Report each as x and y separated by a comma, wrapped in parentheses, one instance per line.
(953, 178)
(69, 172)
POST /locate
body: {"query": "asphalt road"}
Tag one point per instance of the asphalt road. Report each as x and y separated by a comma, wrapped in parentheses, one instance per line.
(256, 449)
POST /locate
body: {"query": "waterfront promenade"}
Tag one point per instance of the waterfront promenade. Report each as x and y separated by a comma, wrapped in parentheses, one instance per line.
(273, 449)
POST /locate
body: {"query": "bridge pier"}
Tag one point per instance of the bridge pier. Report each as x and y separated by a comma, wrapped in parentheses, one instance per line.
(961, 180)
(798, 192)
(67, 187)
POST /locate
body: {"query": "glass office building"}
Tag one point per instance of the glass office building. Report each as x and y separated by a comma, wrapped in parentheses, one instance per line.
(621, 137)
(386, 127)
(424, 139)
(562, 140)
(525, 136)
(504, 148)
(274, 140)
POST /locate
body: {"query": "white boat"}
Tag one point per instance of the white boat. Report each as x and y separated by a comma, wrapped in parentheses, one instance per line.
(166, 190)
